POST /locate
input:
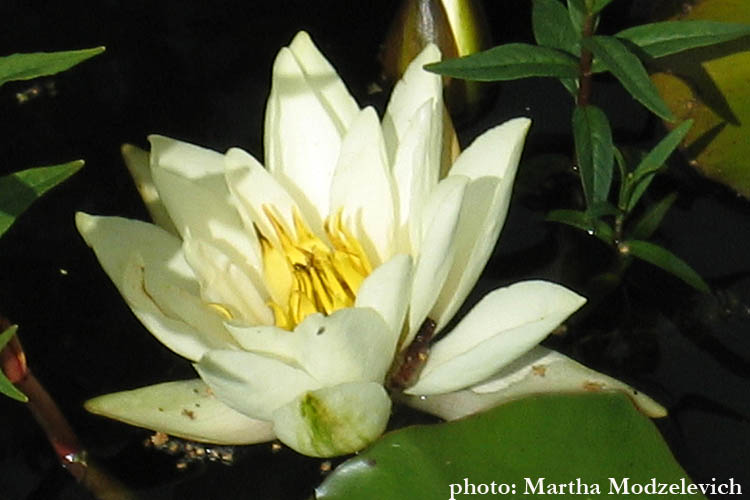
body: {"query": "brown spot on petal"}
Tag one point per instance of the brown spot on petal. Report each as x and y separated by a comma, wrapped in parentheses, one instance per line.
(189, 414)
(593, 386)
(539, 370)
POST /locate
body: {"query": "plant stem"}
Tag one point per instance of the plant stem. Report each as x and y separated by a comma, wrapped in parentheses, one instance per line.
(584, 65)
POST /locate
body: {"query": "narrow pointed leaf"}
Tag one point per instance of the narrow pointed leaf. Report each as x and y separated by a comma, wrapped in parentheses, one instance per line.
(584, 222)
(577, 14)
(36, 64)
(663, 258)
(509, 62)
(653, 161)
(651, 220)
(595, 152)
(591, 438)
(599, 5)
(627, 68)
(6, 386)
(670, 37)
(19, 190)
(552, 27)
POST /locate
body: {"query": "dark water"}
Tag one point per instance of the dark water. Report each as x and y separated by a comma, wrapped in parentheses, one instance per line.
(201, 74)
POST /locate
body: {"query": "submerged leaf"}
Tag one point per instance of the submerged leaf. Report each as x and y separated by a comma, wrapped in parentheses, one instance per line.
(530, 445)
(19, 190)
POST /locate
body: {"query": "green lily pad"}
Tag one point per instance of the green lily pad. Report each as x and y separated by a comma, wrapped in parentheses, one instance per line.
(709, 85)
(559, 444)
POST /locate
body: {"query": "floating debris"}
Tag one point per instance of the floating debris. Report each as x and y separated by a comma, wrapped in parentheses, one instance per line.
(189, 452)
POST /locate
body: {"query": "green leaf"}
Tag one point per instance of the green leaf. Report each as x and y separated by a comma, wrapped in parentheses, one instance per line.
(28, 66)
(552, 27)
(599, 5)
(509, 62)
(594, 150)
(629, 70)
(20, 189)
(671, 37)
(6, 386)
(663, 258)
(651, 220)
(577, 14)
(652, 162)
(561, 438)
(583, 221)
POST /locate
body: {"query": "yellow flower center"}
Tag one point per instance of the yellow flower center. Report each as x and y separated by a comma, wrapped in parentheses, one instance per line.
(306, 275)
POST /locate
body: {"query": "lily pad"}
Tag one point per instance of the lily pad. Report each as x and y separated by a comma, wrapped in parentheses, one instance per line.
(557, 444)
(709, 85)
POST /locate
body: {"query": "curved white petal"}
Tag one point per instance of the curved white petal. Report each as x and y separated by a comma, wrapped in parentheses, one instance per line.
(125, 248)
(490, 162)
(324, 80)
(253, 385)
(387, 291)
(186, 409)
(198, 200)
(302, 137)
(540, 371)
(349, 345)
(415, 176)
(334, 420)
(362, 187)
(138, 163)
(225, 284)
(439, 221)
(504, 325)
(416, 87)
(254, 188)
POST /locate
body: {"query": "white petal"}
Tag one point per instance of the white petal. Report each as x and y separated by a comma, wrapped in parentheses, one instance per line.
(350, 345)
(415, 177)
(439, 221)
(302, 137)
(254, 188)
(334, 420)
(226, 284)
(491, 162)
(387, 291)
(185, 409)
(199, 200)
(251, 384)
(125, 248)
(363, 187)
(137, 161)
(416, 87)
(504, 325)
(324, 79)
(540, 371)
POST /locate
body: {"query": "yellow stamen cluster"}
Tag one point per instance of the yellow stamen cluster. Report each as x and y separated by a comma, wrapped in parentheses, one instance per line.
(306, 275)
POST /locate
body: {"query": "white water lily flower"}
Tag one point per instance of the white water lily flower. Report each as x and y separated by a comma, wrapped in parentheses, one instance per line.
(294, 287)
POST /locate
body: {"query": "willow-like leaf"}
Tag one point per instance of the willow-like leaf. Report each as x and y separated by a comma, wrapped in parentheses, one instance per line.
(594, 151)
(552, 27)
(650, 221)
(663, 258)
(509, 62)
(629, 70)
(36, 64)
(584, 222)
(670, 37)
(652, 162)
(19, 190)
